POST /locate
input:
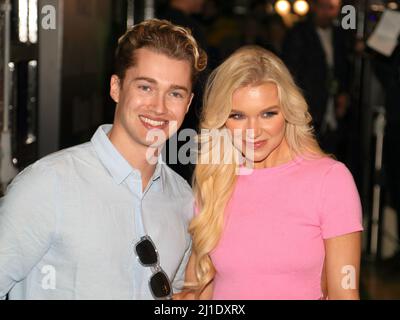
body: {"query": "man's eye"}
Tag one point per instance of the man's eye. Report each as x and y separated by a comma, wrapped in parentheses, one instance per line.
(236, 116)
(176, 94)
(269, 114)
(145, 88)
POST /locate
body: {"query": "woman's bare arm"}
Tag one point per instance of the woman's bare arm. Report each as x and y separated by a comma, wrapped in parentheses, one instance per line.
(342, 266)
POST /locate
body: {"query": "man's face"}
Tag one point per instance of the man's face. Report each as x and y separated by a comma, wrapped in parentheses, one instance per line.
(326, 11)
(196, 6)
(155, 94)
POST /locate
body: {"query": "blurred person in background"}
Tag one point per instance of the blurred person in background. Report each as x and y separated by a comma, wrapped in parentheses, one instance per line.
(182, 12)
(316, 51)
(387, 70)
(276, 32)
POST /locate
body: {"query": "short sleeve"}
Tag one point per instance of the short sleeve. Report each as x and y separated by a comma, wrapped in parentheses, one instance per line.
(27, 224)
(340, 206)
(179, 279)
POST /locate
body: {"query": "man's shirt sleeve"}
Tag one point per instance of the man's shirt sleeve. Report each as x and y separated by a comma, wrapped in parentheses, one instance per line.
(179, 279)
(27, 224)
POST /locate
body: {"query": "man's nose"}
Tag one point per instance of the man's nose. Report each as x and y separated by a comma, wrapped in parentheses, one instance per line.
(160, 106)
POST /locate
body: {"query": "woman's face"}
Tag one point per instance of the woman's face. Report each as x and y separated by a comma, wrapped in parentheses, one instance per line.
(257, 123)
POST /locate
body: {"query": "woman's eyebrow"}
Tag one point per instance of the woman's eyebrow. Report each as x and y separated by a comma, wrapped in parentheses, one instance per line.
(271, 108)
(274, 107)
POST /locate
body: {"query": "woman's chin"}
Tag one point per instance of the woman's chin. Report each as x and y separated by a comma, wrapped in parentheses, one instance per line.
(255, 160)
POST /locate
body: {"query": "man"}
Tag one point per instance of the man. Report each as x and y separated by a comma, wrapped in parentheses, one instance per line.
(181, 12)
(316, 53)
(387, 70)
(102, 220)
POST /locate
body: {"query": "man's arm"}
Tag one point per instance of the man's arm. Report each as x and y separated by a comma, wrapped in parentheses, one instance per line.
(27, 224)
(179, 278)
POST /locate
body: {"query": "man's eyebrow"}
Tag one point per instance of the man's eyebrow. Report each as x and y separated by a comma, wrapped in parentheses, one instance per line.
(145, 79)
(178, 87)
(151, 80)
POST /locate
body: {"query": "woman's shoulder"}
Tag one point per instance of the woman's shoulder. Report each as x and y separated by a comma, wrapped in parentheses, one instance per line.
(321, 162)
(325, 166)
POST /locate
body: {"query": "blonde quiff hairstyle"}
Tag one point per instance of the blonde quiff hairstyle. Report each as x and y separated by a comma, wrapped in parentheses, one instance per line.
(161, 36)
(214, 183)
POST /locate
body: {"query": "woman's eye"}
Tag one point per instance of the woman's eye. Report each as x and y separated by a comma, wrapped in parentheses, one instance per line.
(269, 114)
(236, 116)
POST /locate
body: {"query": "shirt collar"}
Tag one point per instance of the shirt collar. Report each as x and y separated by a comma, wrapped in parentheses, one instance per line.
(114, 162)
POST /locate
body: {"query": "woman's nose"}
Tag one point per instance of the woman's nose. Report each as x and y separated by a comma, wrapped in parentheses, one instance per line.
(253, 129)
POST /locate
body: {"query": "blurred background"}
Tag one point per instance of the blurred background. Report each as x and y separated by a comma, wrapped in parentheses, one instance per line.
(56, 59)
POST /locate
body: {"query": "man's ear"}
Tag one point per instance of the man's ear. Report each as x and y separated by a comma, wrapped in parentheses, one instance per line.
(190, 102)
(115, 87)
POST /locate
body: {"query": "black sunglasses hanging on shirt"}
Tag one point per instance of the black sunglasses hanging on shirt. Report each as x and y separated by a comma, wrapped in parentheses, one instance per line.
(159, 283)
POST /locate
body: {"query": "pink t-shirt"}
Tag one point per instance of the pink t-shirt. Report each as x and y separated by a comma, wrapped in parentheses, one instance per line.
(272, 246)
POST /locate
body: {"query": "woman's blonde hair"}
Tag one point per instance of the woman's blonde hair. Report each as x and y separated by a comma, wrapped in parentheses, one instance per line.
(214, 183)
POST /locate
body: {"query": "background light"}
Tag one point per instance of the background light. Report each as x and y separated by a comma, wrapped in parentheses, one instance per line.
(23, 20)
(282, 7)
(301, 7)
(32, 20)
(393, 5)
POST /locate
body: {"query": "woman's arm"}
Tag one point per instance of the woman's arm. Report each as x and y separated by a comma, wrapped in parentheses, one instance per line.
(342, 266)
(190, 276)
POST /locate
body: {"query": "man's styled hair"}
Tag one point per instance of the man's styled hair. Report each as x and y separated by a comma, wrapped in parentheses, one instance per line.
(163, 37)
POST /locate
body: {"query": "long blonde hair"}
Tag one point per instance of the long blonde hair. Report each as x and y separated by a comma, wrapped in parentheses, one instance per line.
(214, 183)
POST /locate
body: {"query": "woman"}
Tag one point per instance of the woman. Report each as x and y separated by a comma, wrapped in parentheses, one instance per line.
(288, 228)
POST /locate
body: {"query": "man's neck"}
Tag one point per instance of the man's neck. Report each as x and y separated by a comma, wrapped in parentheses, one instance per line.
(326, 29)
(135, 154)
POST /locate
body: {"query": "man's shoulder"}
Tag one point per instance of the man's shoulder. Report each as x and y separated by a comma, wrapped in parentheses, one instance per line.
(62, 157)
(60, 162)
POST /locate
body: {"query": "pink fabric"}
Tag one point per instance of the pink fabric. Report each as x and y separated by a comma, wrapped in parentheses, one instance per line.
(272, 246)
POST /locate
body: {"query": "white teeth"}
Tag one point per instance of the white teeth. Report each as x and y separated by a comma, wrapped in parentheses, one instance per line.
(152, 122)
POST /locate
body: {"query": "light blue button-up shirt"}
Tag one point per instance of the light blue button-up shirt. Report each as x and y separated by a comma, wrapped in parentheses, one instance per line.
(69, 223)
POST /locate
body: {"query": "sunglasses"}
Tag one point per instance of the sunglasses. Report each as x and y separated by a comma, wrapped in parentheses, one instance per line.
(159, 283)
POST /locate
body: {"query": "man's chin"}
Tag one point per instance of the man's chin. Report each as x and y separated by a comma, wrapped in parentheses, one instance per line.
(154, 145)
